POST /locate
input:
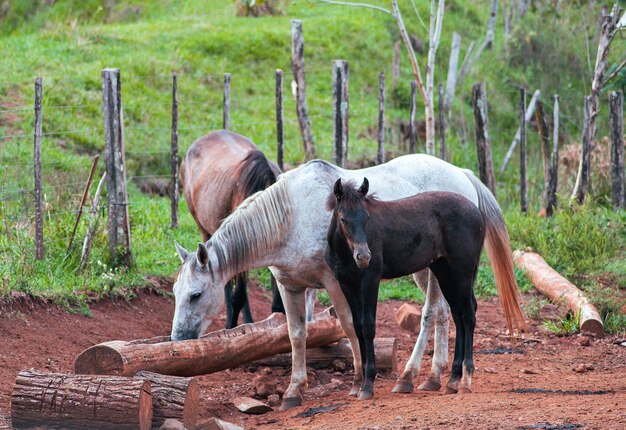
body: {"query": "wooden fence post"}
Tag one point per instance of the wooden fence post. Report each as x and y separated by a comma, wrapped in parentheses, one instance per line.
(37, 169)
(174, 152)
(412, 131)
(442, 125)
(544, 137)
(616, 119)
(297, 66)
(483, 142)
(522, 152)
(280, 119)
(340, 111)
(119, 223)
(226, 120)
(554, 165)
(381, 118)
(585, 172)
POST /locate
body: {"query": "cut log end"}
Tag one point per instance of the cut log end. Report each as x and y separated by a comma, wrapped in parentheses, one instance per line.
(592, 326)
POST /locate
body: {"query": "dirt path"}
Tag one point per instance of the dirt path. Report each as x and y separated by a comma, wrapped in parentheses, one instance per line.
(507, 387)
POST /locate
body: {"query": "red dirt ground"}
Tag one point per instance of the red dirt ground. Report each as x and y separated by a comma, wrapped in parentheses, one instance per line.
(48, 338)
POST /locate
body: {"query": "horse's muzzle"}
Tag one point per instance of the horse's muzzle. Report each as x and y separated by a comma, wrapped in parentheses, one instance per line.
(362, 259)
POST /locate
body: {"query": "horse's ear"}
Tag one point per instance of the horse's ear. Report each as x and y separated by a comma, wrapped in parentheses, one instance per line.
(202, 254)
(182, 252)
(365, 186)
(338, 189)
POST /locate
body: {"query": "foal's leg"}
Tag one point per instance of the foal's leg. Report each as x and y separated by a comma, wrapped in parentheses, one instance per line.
(355, 302)
(404, 384)
(294, 307)
(369, 294)
(459, 351)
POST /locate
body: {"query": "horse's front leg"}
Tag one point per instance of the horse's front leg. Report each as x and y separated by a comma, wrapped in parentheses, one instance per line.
(369, 299)
(293, 300)
(345, 318)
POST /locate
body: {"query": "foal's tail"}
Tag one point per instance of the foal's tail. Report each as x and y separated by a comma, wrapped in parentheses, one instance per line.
(499, 251)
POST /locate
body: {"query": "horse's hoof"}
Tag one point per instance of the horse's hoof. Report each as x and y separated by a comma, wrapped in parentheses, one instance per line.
(451, 390)
(465, 390)
(290, 402)
(429, 385)
(403, 387)
(354, 391)
(366, 395)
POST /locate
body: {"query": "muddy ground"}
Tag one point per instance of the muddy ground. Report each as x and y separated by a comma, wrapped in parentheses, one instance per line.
(547, 382)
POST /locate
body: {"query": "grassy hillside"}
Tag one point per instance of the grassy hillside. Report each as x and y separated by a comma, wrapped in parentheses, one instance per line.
(69, 43)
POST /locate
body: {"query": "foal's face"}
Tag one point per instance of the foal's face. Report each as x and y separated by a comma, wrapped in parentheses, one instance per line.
(352, 217)
(198, 294)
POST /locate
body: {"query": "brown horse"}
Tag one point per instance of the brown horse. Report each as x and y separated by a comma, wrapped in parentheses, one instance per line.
(218, 172)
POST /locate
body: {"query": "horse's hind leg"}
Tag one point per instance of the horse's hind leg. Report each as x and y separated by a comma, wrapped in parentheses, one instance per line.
(404, 384)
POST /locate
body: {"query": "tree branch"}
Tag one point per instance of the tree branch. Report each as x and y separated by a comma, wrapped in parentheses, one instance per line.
(366, 5)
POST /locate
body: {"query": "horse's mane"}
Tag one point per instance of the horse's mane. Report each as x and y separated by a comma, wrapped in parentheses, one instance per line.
(255, 175)
(254, 228)
(351, 196)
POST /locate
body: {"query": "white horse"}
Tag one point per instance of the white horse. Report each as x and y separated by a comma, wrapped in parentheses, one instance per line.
(284, 228)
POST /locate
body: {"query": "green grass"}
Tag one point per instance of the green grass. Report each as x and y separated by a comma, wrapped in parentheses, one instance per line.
(69, 44)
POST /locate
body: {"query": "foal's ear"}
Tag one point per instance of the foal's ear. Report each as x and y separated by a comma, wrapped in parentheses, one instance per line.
(365, 186)
(338, 189)
(202, 255)
(182, 252)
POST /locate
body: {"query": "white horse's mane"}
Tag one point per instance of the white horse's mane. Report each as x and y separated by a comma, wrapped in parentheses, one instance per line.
(258, 225)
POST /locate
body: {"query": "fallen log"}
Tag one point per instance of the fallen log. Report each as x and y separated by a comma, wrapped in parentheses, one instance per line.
(173, 397)
(80, 401)
(324, 357)
(213, 352)
(550, 283)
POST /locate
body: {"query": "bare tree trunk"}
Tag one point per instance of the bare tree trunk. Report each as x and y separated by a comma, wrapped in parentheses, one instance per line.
(582, 181)
(516, 138)
(453, 65)
(616, 119)
(395, 71)
(381, 118)
(442, 125)
(522, 152)
(608, 29)
(297, 66)
(487, 43)
(554, 165)
(435, 37)
(483, 142)
(544, 137)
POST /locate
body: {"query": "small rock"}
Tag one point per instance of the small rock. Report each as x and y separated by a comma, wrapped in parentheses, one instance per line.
(490, 370)
(408, 317)
(266, 371)
(623, 344)
(172, 424)
(582, 368)
(263, 385)
(273, 400)
(584, 341)
(336, 382)
(529, 372)
(217, 424)
(339, 365)
(248, 405)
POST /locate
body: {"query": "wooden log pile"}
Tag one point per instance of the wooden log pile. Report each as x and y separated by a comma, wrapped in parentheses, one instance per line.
(213, 352)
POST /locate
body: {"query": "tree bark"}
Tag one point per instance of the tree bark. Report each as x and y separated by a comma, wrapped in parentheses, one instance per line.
(297, 66)
(173, 397)
(213, 352)
(453, 65)
(582, 180)
(608, 28)
(385, 350)
(616, 120)
(483, 142)
(544, 137)
(559, 290)
(529, 113)
(554, 165)
(78, 401)
(522, 152)
(436, 21)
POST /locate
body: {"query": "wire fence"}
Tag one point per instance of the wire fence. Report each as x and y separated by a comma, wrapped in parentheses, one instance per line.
(147, 141)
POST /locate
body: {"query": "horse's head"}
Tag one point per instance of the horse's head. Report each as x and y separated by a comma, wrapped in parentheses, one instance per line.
(351, 216)
(198, 291)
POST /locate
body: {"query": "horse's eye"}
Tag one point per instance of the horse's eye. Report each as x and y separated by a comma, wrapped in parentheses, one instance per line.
(343, 220)
(194, 297)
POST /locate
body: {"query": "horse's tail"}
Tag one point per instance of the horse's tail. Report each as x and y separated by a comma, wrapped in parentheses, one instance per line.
(499, 252)
(256, 174)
